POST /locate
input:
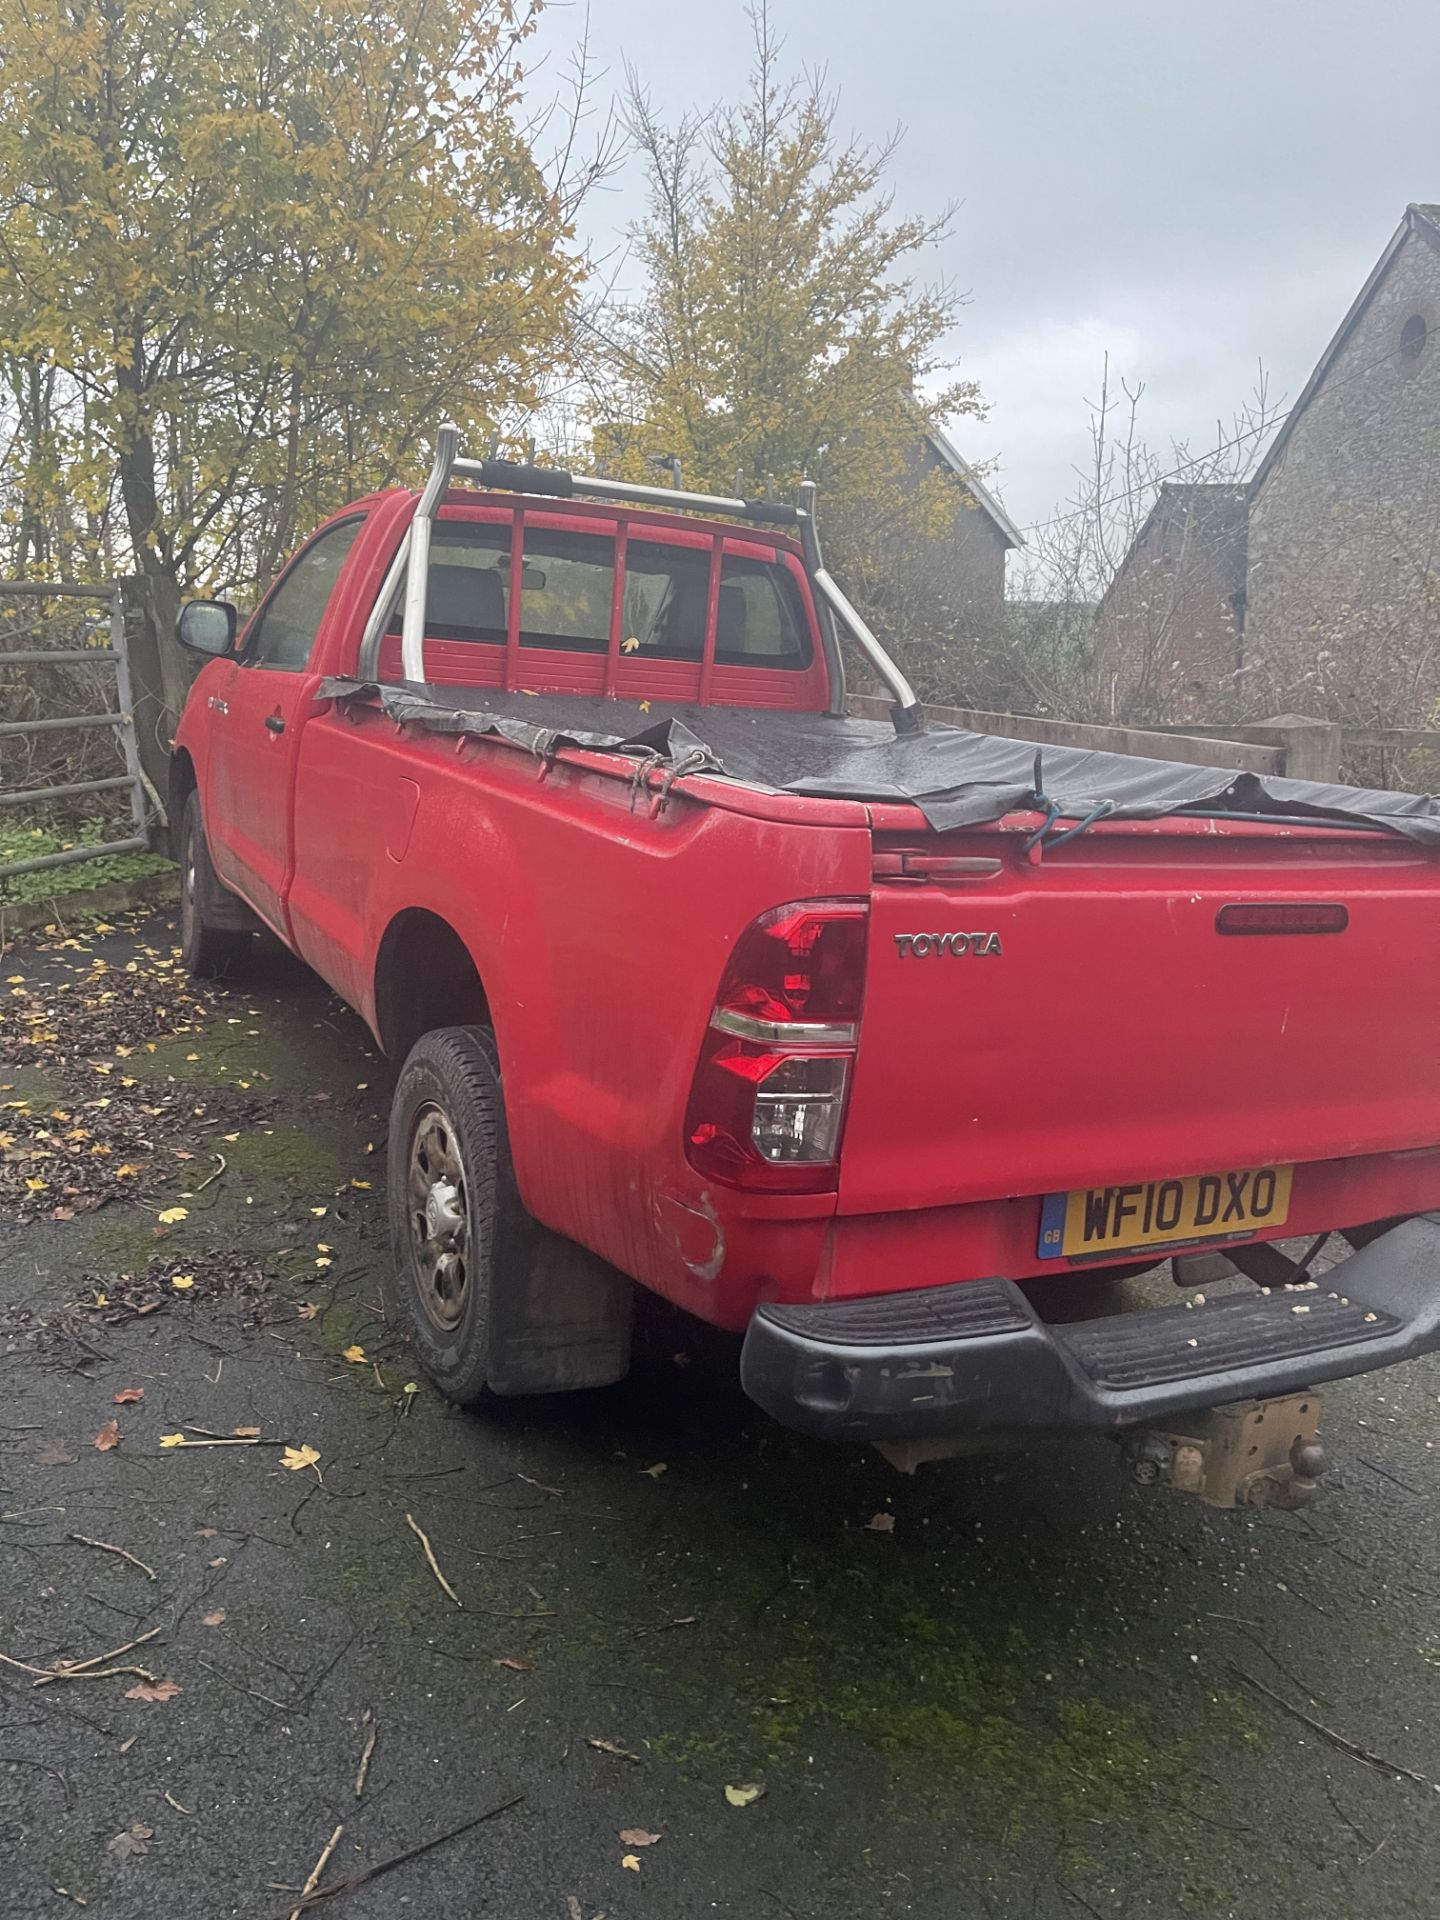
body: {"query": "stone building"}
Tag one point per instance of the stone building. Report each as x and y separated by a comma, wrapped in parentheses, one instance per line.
(974, 551)
(1318, 586)
(942, 606)
(1174, 616)
(1343, 581)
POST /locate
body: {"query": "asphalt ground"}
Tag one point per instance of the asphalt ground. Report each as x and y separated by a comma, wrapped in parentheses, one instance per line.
(1018, 1686)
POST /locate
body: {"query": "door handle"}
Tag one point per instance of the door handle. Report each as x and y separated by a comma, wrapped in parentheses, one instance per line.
(275, 722)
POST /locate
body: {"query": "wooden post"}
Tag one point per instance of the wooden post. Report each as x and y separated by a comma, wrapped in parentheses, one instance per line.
(1311, 747)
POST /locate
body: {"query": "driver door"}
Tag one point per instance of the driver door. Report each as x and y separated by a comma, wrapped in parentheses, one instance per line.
(256, 716)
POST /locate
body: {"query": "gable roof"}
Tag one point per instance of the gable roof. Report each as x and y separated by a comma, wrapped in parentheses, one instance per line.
(952, 457)
(1217, 509)
(1421, 218)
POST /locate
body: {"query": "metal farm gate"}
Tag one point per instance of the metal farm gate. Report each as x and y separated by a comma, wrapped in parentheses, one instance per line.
(86, 659)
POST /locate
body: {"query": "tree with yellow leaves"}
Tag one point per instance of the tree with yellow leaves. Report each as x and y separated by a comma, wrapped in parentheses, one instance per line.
(249, 256)
(781, 330)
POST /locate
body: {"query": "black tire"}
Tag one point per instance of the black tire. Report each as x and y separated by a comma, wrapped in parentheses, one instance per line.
(492, 1302)
(205, 948)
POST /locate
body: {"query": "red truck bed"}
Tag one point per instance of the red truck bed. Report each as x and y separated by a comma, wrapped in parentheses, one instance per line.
(833, 1032)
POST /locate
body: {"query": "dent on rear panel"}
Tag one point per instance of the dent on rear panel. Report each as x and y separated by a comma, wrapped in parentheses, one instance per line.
(692, 1227)
(400, 818)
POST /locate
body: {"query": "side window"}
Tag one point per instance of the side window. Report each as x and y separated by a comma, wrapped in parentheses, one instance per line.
(759, 620)
(467, 585)
(290, 619)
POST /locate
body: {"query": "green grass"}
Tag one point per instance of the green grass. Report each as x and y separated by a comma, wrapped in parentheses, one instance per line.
(29, 839)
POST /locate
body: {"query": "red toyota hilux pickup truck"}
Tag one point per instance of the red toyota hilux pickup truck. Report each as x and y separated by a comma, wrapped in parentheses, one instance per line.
(889, 1046)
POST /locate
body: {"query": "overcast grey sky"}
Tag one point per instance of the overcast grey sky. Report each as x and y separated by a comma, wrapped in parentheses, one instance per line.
(1194, 187)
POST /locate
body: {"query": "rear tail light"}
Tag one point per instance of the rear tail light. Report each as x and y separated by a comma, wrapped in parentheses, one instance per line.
(768, 1103)
(1283, 916)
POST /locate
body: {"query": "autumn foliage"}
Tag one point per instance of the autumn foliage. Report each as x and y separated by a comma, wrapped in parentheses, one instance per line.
(251, 256)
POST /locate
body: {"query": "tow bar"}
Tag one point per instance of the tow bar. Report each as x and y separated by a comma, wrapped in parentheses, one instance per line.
(1256, 1453)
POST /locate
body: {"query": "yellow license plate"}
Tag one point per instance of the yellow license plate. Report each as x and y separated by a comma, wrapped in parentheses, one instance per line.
(1163, 1213)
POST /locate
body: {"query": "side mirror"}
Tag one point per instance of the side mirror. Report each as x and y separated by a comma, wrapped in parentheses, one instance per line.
(207, 626)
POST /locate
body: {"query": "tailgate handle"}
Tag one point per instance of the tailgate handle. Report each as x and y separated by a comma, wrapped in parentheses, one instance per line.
(934, 866)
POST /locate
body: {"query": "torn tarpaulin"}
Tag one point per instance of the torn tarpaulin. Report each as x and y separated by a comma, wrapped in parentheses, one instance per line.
(955, 778)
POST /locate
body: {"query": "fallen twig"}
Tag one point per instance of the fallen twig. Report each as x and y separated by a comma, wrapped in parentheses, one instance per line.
(556, 1493)
(423, 1538)
(104, 1673)
(399, 1859)
(319, 1867)
(212, 1176)
(1337, 1740)
(18, 1760)
(253, 1692)
(46, 1673)
(70, 1669)
(360, 1777)
(106, 1547)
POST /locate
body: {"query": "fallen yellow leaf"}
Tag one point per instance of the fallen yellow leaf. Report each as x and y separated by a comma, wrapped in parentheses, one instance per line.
(297, 1457)
(184, 1281)
(173, 1214)
(743, 1796)
(172, 1439)
(355, 1355)
(362, 1184)
(632, 1861)
(410, 1386)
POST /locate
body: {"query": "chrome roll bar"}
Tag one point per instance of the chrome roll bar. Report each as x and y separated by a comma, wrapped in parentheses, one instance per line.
(409, 570)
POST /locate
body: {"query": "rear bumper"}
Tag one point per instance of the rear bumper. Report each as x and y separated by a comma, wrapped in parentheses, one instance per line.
(976, 1359)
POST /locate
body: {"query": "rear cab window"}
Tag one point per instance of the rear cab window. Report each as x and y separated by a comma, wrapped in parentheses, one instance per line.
(568, 597)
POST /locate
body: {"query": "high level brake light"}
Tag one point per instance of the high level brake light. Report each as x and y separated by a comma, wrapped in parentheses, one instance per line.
(1283, 916)
(768, 1103)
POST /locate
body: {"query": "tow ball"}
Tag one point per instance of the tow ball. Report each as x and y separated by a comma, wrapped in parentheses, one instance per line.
(1256, 1453)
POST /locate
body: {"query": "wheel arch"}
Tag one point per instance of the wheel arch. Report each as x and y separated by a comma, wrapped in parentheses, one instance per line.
(425, 977)
(182, 783)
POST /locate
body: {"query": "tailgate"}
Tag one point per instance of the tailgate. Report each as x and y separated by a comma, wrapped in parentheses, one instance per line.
(1093, 1026)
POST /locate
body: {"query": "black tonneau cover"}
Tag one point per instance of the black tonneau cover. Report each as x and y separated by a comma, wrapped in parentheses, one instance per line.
(956, 779)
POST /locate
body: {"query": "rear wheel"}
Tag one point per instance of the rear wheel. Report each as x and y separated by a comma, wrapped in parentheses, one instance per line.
(205, 948)
(492, 1301)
